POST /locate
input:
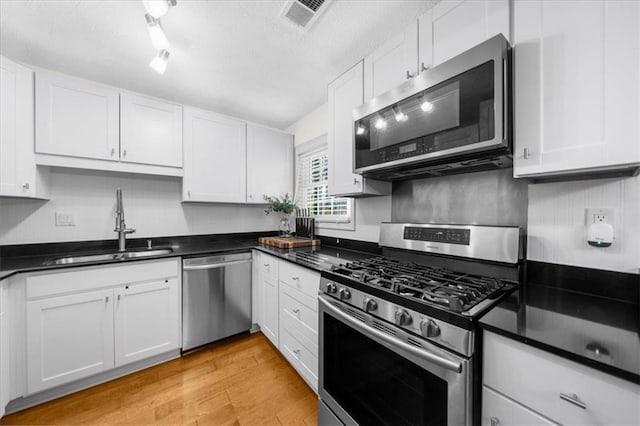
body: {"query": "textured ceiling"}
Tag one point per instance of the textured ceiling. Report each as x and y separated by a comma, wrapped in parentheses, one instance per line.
(234, 57)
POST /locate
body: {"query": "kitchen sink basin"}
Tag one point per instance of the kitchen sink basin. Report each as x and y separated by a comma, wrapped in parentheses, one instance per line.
(110, 256)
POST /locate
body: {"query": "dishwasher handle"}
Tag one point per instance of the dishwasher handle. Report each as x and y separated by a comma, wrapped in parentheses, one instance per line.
(214, 265)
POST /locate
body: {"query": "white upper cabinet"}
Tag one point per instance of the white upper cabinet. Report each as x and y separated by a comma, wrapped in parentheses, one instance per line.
(19, 176)
(76, 118)
(269, 163)
(576, 86)
(453, 26)
(214, 157)
(150, 131)
(346, 93)
(392, 63)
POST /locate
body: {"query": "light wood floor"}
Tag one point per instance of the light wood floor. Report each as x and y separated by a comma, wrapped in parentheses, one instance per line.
(241, 381)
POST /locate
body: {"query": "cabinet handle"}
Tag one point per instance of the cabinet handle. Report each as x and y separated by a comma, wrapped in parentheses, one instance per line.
(296, 311)
(118, 297)
(356, 181)
(25, 185)
(106, 299)
(266, 265)
(423, 68)
(189, 194)
(250, 196)
(409, 75)
(494, 421)
(526, 153)
(297, 352)
(573, 399)
(295, 278)
(113, 151)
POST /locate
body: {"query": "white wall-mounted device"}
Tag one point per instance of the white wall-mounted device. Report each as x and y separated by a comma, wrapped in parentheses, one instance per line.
(599, 223)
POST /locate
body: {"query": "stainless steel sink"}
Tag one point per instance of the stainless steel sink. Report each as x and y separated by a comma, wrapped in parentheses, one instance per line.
(111, 256)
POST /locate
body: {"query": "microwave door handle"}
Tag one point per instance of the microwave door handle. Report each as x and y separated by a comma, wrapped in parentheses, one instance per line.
(421, 353)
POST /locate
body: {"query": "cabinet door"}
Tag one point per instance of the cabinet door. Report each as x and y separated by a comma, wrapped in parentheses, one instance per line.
(392, 63)
(269, 163)
(147, 320)
(17, 159)
(500, 410)
(576, 85)
(4, 348)
(270, 309)
(150, 131)
(68, 338)
(458, 25)
(76, 118)
(215, 158)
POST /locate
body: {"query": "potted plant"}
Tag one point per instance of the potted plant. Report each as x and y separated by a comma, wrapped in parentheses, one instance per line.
(284, 205)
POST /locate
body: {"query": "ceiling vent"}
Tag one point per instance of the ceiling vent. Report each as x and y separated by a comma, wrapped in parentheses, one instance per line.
(303, 13)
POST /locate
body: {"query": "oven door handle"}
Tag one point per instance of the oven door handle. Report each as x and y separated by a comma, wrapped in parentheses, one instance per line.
(420, 353)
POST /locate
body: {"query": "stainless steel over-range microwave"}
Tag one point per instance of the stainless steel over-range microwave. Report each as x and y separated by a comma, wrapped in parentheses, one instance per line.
(452, 118)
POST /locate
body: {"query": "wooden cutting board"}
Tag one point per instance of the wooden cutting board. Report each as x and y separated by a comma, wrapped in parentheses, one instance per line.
(288, 242)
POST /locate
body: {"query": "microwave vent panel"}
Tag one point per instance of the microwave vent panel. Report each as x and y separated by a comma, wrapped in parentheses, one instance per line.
(303, 13)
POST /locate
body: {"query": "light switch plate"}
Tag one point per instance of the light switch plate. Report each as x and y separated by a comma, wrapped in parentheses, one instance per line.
(65, 219)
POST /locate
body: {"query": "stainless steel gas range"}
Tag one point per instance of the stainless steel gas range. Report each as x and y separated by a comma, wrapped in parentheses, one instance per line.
(398, 332)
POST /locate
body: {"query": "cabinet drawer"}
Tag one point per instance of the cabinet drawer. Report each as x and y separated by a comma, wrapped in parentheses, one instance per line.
(300, 278)
(537, 379)
(267, 266)
(498, 409)
(302, 359)
(299, 319)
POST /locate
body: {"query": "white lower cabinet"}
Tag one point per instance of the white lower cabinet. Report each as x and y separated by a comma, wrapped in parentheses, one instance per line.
(500, 410)
(4, 347)
(288, 314)
(547, 385)
(146, 320)
(85, 321)
(68, 338)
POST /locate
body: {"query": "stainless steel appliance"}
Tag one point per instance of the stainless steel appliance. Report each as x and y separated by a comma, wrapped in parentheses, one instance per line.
(397, 332)
(216, 298)
(452, 118)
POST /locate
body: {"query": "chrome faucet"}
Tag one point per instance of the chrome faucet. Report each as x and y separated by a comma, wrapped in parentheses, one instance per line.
(121, 228)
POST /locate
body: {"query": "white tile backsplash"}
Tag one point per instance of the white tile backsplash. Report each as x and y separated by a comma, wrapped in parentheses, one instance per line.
(557, 231)
(152, 206)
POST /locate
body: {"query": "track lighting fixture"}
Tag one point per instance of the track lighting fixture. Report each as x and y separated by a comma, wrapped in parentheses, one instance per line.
(158, 38)
(380, 123)
(159, 62)
(158, 8)
(399, 115)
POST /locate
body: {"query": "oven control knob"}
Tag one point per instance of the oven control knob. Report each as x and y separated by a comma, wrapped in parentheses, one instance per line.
(429, 328)
(403, 317)
(331, 288)
(344, 294)
(368, 304)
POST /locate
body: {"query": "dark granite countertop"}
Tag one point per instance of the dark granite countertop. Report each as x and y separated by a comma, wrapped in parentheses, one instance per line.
(40, 257)
(585, 315)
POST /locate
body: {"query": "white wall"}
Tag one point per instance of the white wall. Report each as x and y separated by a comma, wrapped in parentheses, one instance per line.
(152, 206)
(311, 125)
(369, 212)
(557, 233)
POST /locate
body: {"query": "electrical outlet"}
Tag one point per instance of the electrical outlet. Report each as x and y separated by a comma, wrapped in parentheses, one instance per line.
(599, 215)
(65, 219)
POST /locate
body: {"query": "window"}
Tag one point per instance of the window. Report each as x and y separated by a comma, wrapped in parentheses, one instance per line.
(312, 187)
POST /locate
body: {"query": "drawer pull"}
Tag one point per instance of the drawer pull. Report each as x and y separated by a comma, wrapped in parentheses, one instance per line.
(295, 278)
(494, 421)
(297, 352)
(266, 265)
(296, 311)
(573, 399)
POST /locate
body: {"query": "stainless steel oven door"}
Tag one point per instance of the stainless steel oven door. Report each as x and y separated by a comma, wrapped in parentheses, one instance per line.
(371, 372)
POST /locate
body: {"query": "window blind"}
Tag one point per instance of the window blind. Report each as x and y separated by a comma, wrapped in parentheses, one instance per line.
(313, 189)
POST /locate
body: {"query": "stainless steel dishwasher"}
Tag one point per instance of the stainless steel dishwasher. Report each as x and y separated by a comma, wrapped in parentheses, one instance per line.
(216, 298)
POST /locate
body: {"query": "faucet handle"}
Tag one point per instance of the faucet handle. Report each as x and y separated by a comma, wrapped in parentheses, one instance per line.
(148, 244)
(130, 231)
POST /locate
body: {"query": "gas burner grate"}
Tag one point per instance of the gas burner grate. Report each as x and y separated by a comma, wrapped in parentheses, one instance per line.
(451, 290)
